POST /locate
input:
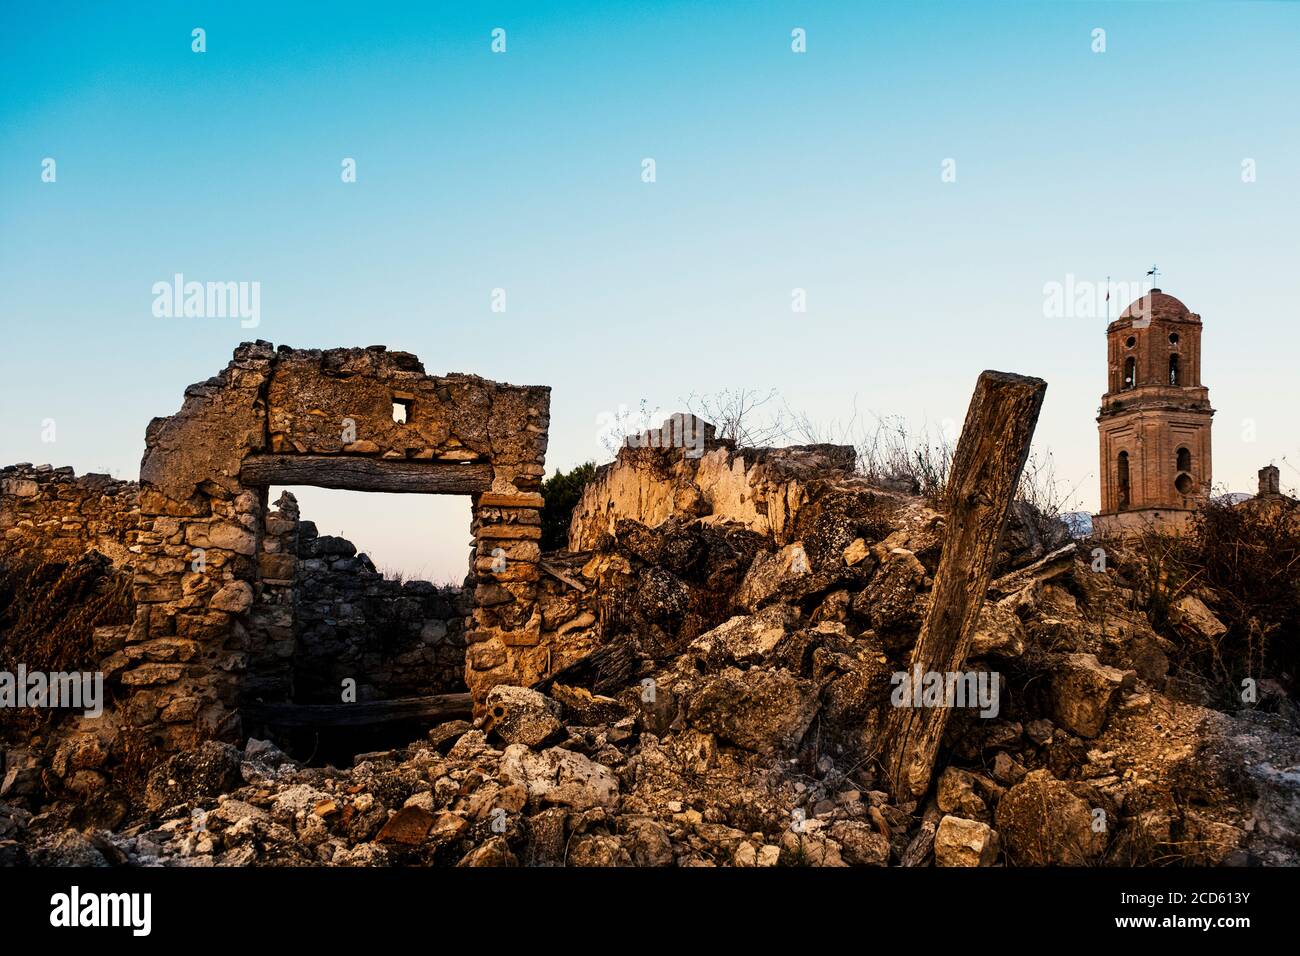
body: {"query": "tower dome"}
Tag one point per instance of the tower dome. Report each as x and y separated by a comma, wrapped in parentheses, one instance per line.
(1157, 305)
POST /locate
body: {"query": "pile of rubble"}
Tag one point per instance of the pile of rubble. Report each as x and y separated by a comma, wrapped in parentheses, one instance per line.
(728, 709)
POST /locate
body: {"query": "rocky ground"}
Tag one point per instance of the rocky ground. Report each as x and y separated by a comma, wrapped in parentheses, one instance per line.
(732, 717)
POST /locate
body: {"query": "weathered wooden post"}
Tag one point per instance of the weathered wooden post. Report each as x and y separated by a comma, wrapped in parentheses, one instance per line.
(986, 469)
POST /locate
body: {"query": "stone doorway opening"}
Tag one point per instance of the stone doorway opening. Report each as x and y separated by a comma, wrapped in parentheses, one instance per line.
(407, 537)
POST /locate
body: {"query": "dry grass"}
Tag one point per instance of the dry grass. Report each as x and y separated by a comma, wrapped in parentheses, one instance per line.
(1244, 562)
(746, 416)
(48, 615)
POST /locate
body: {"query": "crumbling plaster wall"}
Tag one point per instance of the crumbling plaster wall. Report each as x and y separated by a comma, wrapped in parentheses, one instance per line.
(762, 489)
(204, 560)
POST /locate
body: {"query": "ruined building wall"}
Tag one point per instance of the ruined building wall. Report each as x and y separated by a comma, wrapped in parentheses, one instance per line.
(325, 610)
(49, 514)
(327, 418)
(219, 576)
(394, 638)
(762, 489)
(321, 613)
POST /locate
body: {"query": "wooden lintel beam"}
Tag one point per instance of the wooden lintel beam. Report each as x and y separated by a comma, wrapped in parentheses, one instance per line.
(355, 473)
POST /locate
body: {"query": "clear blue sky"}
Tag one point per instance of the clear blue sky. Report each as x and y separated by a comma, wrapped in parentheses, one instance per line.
(522, 171)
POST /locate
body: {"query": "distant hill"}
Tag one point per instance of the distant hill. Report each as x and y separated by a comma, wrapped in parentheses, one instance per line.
(1232, 498)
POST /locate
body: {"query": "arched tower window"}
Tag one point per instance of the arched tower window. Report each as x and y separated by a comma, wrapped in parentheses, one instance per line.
(1122, 482)
(1173, 370)
(1183, 481)
(1130, 372)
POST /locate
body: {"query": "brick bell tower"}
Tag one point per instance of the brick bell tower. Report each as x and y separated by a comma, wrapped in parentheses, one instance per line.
(1155, 418)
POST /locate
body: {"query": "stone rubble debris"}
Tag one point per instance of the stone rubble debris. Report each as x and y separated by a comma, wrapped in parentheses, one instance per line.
(715, 697)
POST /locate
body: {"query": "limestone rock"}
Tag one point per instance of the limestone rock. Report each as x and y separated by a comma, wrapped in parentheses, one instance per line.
(860, 843)
(745, 639)
(999, 633)
(766, 710)
(193, 774)
(147, 675)
(20, 487)
(759, 489)
(69, 848)
(223, 536)
(770, 573)
(448, 827)
(1149, 654)
(956, 794)
(889, 601)
(408, 825)
(811, 849)
(855, 552)
(750, 854)
(1194, 620)
(583, 707)
(495, 852)
(1043, 823)
(520, 715)
(599, 851)
(557, 776)
(651, 845)
(234, 598)
(80, 752)
(961, 842)
(1084, 691)
(1006, 769)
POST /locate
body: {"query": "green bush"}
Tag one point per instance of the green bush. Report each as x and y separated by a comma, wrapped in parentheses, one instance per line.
(562, 492)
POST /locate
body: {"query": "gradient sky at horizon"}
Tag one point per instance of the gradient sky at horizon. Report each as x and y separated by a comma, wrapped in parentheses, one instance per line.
(522, 171)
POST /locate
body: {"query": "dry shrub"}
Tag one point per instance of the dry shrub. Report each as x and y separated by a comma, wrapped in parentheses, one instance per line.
(1249, 558)
(1244, 562)
(889, 451)
(1044, 500)
(889, 454)
(746, 416)
(48, 614)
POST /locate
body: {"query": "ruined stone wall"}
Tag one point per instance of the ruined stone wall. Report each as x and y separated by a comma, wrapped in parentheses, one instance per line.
(323, 614)
(289, 416)
(393, 638)
(50, 514)
(762, 489)
(218, 575)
